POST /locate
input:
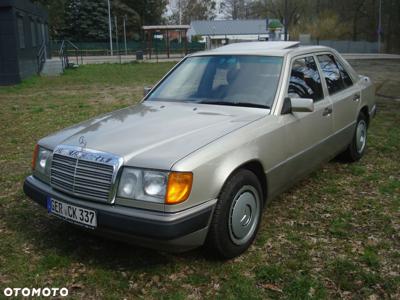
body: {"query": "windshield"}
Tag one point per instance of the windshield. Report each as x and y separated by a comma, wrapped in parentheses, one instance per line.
(240, 80)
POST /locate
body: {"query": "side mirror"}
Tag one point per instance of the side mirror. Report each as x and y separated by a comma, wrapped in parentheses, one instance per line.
(302, 104)
(297, 105)
(146, 90)
(287, 106)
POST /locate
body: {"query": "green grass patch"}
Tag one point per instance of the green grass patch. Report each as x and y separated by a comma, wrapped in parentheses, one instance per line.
(371, 257)
(344, 274)
(391, 187)
(304, 287)
(270, 273)
(341, 226)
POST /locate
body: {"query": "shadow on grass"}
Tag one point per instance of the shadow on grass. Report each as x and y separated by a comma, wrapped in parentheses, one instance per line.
(49, 235)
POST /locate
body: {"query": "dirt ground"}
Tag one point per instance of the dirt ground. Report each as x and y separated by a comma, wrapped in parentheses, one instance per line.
(384, 73)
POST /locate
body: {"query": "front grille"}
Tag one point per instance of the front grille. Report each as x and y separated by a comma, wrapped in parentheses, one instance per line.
(85, 178)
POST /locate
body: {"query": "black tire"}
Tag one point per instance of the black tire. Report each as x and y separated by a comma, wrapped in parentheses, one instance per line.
(352, 153)
(219, 242)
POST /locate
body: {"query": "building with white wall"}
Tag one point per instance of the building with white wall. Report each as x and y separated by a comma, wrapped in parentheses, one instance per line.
(220, 32)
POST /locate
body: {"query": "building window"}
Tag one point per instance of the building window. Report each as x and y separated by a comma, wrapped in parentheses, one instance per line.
(38, 33)
(46, 32)
(21, 32)
(33, 33)
(42, 33)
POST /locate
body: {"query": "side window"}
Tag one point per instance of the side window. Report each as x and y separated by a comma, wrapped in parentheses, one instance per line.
(305, 81)
(345, 76)
(21, 32)
(332, 73)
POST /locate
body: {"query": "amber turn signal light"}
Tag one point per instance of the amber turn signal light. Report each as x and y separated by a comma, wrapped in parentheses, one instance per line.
(179, 187)
(35, 154)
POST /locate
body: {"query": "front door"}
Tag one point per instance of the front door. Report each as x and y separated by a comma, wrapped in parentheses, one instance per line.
(306, 132)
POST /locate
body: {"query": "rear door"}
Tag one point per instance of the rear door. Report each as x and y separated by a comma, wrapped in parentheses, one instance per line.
(345, 97)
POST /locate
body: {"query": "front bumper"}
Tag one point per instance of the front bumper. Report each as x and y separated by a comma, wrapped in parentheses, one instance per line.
(177, 232)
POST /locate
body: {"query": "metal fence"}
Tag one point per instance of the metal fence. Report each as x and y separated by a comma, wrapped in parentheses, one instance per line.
(346, 46)
(103, 48)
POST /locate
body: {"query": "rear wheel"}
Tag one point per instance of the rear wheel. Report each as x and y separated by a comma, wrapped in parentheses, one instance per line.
(236, 217)
(356, 148)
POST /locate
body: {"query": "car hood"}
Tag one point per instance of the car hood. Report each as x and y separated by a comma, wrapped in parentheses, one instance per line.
(155, 134)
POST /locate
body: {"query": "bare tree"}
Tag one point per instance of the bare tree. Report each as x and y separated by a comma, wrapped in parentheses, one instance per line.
(235, 9)
(198, 10)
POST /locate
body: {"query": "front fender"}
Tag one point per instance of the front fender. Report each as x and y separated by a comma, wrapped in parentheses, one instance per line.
(211, 168)
(262, 141)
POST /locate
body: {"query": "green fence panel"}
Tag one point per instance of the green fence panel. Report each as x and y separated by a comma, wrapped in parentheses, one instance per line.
(91, 48)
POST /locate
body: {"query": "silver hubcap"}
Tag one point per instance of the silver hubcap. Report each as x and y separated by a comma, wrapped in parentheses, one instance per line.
(361, 136)
(244, 215)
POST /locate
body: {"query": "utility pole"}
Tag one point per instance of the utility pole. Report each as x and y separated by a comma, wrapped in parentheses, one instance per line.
(318, 16)
(126, 48)
(110, 27)
(180, 11)
(180, 20)
(380, 26)
(286, 20)
(116, 38)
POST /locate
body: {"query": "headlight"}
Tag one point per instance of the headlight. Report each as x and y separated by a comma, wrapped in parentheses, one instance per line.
(129, 183)
(154, 186)
(143, 185)
(154, 183)
(41, 162)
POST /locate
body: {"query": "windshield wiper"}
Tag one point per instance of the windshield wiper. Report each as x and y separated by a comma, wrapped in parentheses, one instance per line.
(244, 104)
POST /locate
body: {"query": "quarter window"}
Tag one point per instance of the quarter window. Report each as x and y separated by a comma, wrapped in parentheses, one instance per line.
(336, 77)
(345, 76)
(305, 81)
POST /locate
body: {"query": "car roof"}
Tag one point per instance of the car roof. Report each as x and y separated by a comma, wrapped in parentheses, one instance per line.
(263, 48)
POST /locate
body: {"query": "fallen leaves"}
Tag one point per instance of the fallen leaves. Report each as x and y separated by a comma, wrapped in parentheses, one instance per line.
(271, 287)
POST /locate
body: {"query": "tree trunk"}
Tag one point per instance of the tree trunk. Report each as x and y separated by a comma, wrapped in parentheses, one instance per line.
(355, 21)
(357, 13)
(318, 16)
(389, 28)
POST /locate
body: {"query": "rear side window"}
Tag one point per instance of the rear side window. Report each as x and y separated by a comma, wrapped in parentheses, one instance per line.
(345, 76)
(336, 77)
(305, 81)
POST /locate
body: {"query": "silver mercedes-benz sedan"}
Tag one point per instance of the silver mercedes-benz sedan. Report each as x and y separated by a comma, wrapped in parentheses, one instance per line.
(196, 160)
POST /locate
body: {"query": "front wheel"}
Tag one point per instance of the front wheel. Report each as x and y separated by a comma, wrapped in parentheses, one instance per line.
(356, 148)
(237, 216)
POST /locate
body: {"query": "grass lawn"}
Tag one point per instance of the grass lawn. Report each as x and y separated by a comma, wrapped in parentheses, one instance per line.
(334, 235)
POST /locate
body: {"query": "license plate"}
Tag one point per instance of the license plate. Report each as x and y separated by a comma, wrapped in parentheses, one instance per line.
(72, 213)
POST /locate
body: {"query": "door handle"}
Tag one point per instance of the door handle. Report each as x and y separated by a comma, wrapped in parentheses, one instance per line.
(327, 111)
(356, 98)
